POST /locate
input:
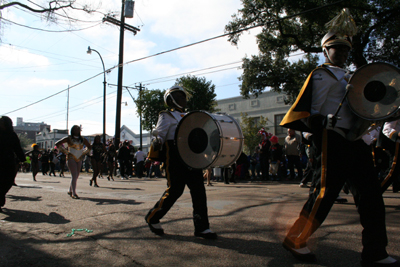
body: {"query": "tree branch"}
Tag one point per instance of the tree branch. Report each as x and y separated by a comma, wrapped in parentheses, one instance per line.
(35, 10)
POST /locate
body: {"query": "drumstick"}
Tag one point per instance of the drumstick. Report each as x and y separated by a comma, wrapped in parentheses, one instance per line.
(348, 87)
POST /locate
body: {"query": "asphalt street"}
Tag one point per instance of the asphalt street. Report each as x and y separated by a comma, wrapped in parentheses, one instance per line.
(251, 219)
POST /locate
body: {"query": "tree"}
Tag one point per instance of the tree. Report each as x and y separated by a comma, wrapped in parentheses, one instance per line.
(25, 141)
(201, 93)
(378, 39)
(250, 129)
(150, 103)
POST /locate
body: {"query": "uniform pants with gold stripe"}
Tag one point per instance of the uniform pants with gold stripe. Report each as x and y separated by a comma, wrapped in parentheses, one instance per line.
(339, 160)
(178, 175)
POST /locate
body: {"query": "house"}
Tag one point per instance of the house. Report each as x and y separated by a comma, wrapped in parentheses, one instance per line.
(269, 104)
(30, 128)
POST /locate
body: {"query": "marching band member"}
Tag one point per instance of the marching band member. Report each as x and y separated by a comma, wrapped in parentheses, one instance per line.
(177, 174)
(338, 159)
(75, 153)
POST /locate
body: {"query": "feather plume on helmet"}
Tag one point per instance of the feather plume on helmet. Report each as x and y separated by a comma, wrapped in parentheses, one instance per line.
(341, 30)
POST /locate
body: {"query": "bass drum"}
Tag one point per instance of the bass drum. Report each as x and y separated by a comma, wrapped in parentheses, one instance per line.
(206, 140)
(374, 97)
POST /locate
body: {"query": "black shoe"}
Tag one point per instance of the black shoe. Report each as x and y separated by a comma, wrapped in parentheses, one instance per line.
(209, 235)
(157, 231)
(95, 185)
(375, 264)
(307, 257)
(90, 182)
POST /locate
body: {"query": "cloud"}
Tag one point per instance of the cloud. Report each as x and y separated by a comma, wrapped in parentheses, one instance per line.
(176, 18)
(21, 57)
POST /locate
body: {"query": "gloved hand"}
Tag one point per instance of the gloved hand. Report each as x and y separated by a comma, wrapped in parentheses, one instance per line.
(330, 121)
(157, 144)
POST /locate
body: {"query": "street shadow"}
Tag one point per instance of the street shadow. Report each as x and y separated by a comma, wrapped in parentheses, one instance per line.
(23, 198)
(15, 252)
(106, 201)
(276, 254)
(24, 216)
(47, 182)
(128, 189)
(29, 186)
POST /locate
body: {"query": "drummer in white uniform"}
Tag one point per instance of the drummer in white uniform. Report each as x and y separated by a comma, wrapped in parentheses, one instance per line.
(177, 173)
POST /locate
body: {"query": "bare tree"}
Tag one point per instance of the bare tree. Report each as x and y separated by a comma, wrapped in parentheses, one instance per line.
(49, 9)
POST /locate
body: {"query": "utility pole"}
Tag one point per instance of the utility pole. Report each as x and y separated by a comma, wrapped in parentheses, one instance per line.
(140, 115)
(122, 26)
(140, 87)
(120, 73)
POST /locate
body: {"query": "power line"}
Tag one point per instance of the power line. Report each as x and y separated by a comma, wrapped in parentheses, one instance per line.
(189, 72)
(181, 47)
(43, 30)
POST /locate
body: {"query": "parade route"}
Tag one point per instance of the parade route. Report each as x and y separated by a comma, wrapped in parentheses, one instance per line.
(251, 220)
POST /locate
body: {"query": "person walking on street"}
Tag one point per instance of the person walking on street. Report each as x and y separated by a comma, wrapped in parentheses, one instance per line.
(98, 150)
(63, 160)
(338, 158)
(45, 162)
(34, 154)
(111, 156)
(52, 164)
(75, 153)
(177, 173)
(9, 147)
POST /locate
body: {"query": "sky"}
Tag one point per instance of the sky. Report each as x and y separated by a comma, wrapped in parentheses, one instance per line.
(42, 64)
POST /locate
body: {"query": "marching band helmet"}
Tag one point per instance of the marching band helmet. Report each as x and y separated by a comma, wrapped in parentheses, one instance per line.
(169, 92)
(334, 38)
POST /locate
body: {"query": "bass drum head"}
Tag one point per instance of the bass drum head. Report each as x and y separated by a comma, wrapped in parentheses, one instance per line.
(375, 93)
(198, 139)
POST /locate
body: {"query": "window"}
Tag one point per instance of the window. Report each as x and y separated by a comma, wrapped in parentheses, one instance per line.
(279, 129)
(257, 121)
(232, 106)
(279, 99)
(254, 103)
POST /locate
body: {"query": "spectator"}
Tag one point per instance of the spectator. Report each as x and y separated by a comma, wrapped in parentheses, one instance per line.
(123, 158)
(131, 158)
(292, 150)
(275, 152)
(264, 154)
(255, 164)
(140, 157)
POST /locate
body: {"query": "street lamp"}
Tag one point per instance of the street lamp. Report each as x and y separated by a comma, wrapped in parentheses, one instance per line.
(89, 51)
